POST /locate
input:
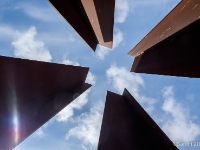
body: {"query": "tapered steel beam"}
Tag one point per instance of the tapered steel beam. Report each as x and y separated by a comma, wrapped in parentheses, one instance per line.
(172, 47)
(127, 126)
(93, 20)
(184, 14)
(178, 55)
(31, 93)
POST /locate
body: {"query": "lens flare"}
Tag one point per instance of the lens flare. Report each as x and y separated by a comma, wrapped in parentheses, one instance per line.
(15, 125)
(15, 118)
(13, 105)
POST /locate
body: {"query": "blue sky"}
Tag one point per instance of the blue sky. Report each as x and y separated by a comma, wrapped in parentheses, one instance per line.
(34, 30)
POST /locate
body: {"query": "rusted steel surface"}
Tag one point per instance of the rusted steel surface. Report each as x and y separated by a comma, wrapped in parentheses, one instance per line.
(73, 12)
(105, 11)
(32, 92)
(93, 20)
(185, 13)
(178, 55)
(105, 14)
(127, 126)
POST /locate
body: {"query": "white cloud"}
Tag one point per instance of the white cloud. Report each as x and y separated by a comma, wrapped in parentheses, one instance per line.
(59, 39)
(4, 5)
(39, 13)
(6, 32)
(117, 39)
(3, 2)
(50, 15)
(121, 78)
(91, 79)
(26, 46)
(69, 62)
(178, 124)
(144, 3)
(78, 103)
(88, 128)
(157, 8)
(40, 132)
(102, 52)
(65, 114)
(121, 10)
(190, 97)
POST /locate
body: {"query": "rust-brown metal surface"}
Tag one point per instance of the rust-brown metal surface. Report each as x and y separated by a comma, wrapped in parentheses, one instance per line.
(32, 92)
(105, 12)
(178, 55)
(73, 12)
(127, 126)
(185, 13)
(93, 20)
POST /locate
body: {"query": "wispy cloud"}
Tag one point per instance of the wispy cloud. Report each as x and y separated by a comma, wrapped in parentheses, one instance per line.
(157, 8)
(5, 5)
(121, 78)
(3, 2)
(177, 123)
(88, 128)
(144, 3)
(49, 37)
(27, 46)
(121, 10)
(57, 38)
(50, 15)
(103, 51)
(38, 12)
(7, 32)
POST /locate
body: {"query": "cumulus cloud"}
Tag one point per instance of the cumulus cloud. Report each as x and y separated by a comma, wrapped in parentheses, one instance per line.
(117, 39)
(91, 79)
(121, 78)
(69, 62)
(78, 103)
(88, 128)
(121, 10)
(41, 131)
(178, 124)
(26, 46)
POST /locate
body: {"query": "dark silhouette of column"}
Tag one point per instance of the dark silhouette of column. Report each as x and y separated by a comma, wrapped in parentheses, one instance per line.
(93, 20)
(172, 47)
(31, 93)
(127, 126)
